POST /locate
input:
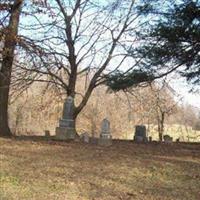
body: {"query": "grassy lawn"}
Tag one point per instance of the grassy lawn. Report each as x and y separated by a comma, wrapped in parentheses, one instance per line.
(66, 171)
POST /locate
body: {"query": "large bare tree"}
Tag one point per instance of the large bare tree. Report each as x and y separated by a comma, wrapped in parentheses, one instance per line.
(81, 37)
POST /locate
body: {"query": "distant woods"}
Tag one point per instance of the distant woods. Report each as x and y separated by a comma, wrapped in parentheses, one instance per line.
(154, 106)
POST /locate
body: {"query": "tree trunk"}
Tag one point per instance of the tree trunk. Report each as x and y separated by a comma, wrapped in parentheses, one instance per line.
(161, 126)
(160, 135)
(6, 69)
(4, 128)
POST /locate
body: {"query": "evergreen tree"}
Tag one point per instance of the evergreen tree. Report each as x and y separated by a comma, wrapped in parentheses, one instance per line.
(171, 42)
(174, 42)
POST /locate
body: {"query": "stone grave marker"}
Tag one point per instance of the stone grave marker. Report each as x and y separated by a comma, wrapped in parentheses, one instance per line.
(94, 140)
(140, 134)
(85, 137)
(105, 135)
(47, 133)
(66, 129)
(167, 139)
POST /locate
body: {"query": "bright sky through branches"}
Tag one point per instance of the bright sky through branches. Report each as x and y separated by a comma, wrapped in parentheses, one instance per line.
(178, 84)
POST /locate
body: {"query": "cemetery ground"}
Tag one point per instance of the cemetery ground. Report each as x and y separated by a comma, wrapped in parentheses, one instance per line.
(50, 170)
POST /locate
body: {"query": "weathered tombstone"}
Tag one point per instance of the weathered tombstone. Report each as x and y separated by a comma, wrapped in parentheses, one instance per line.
(47, 133)
(66, 129)
(105, 135)
(167, 139)
(94, 140)
(85, 137)
(140, 134)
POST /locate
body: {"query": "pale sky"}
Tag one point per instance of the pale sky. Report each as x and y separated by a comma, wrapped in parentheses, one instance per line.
(182, 88)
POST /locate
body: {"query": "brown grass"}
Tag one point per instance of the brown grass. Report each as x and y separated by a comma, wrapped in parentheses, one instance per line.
(73, 171)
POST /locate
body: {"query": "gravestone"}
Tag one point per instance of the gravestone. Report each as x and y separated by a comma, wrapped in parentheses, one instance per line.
(47, 133)
(167, 139)
(66, 129)
(140, 134)
(94, 140)
(85, 137)
(105, 135)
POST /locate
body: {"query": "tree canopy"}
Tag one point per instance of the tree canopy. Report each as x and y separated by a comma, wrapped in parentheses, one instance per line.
(123, 81)
(177, 39)
(171, 43)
